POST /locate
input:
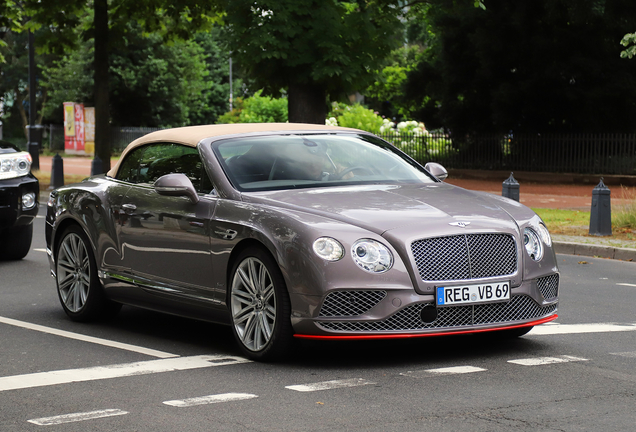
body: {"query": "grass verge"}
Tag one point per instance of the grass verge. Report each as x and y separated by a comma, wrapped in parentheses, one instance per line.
(577, 223)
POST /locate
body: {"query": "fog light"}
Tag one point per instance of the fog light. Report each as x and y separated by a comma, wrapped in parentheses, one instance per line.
(28, 201)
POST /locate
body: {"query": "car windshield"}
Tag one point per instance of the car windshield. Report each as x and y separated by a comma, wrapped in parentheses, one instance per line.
(314, 160)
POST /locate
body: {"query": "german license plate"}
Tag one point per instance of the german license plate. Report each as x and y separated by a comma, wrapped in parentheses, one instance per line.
(470, 294)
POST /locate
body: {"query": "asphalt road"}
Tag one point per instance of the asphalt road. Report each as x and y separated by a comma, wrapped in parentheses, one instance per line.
(145, 371)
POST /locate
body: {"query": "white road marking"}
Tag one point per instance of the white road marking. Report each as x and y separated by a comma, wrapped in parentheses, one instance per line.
(443, 371)
(39, 250)
(84, 338)
(115, 371)
(328, 385)
(625, 354)
(627, 284)
(70, 418)
(538, 361)
(554, 329)
(204, 400)
(40, 217)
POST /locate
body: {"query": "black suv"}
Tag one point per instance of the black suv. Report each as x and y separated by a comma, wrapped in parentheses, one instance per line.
(19, 199)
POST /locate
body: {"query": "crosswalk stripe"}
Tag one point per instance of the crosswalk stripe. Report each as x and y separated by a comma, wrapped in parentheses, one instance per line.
(443, 371)
(76, 417)
(328, 385)
(42, 379)
(85, 338)
(625, 354)
(537, 361)
(554, 329)
(204, 400)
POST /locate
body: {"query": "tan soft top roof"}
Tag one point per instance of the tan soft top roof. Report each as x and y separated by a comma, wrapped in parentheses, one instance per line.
(192, 135)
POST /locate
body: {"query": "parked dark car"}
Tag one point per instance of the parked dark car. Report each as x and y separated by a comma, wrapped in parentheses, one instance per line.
(19, 198)
(297, 230)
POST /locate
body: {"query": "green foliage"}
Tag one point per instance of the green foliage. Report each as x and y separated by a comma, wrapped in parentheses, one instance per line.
(257, 109)
(355, 116)
(155, 84)
(629, 39)
(625, 217)
(233, 115)
(329, 45)
(384, 95)
(152, 83)
(526, 66)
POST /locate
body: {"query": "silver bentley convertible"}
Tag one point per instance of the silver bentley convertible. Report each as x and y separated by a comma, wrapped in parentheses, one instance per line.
(290, 231)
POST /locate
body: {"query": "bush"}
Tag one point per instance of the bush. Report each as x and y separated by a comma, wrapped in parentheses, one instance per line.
(354, 116)
(257, 109)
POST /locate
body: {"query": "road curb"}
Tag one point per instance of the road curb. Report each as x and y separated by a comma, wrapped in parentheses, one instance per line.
(590, 250)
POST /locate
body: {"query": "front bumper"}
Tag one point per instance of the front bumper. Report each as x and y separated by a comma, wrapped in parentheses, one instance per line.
(11, 192)
(400, 313)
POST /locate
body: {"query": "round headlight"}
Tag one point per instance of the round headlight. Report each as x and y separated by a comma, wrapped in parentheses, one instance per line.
(372, 256)
(328, 249)
(532, 244)
(545, 235)
(28, 201)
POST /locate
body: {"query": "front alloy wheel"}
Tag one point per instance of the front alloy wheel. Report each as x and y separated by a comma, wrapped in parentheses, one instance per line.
(78, 286)
(73, 272)
(259, 306)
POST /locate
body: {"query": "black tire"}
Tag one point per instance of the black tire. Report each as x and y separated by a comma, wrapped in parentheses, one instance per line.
(259, 306)
(78, 287)
(16, 242)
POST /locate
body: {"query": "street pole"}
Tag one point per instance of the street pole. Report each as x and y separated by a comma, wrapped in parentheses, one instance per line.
(33, 144)
(230, 83)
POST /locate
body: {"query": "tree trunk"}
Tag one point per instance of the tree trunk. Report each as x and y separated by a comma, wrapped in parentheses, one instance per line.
(102, 103)
(307, 103)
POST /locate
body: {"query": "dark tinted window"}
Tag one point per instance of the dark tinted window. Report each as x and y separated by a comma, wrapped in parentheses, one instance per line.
(146, 164)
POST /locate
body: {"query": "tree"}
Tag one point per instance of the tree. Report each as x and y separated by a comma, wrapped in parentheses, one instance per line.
(14, 86)
(527, 66)
(629, 41)
(175, 19)
(314, 49)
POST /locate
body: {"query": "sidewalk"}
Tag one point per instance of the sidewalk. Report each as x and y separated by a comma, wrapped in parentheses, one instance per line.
(564, 195)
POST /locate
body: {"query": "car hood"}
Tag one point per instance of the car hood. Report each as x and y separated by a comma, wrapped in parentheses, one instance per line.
(400, 208)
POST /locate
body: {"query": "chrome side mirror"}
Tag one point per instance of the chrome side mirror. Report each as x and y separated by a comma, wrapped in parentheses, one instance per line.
(176, 185)
(437, 170)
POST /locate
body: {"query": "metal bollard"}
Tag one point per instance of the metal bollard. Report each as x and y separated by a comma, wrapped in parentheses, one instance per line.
(57, 171)
(96, 166)
(601, 213)
(510, 188)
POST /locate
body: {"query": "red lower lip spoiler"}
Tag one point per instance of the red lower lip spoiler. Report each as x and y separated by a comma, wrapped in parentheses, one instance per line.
(418, 335)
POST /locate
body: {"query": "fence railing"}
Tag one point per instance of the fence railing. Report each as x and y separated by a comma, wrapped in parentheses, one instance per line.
(574, 153)
(564, 153)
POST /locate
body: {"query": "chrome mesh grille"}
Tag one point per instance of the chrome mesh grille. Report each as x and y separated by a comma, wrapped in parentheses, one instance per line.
(350, 302)
(519, 308)
(461, 257)
(549, 286)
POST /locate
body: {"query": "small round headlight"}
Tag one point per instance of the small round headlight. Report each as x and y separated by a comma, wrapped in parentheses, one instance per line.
(328, 249)
(545, 235)
(28, 201)
(532, 244)
(372, 256)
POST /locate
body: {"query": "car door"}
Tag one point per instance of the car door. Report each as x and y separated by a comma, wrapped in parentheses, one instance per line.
(165, 239)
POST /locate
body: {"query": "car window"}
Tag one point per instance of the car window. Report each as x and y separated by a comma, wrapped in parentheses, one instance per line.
(146, 164)
(314, 160)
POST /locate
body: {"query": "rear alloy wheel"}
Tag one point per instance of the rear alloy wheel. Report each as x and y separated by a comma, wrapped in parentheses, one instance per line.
(16, 242)
(259, 305)
(78, 287)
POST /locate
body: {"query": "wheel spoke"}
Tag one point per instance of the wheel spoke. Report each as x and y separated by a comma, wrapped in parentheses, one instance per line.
(245, 280)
